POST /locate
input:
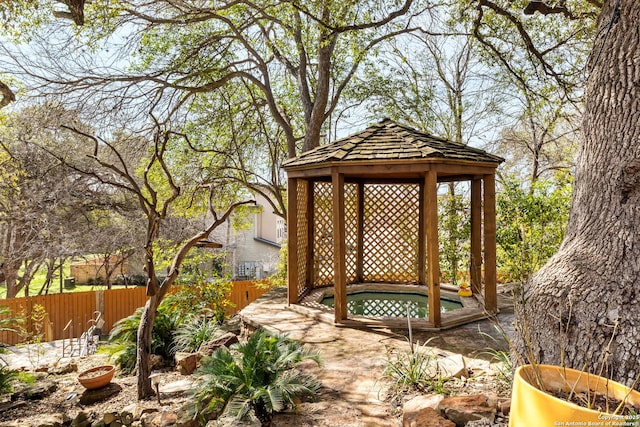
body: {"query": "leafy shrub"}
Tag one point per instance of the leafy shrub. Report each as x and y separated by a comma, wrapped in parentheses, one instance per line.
(6, 378)
(209, 298)
(453, 236)
(194, 332)
(175, 313)
(137, 280)
(279, 278)
(127, 358)
(26, 377)
(124, 355)
(125, 331)
(32, 330)
(530, 224)
(255, 379)
(8, 323)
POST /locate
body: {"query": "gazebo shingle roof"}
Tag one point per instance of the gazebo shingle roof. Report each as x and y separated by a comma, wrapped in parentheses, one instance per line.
(388, 140)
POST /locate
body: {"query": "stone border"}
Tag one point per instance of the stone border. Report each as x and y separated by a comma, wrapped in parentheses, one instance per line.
(310, 306)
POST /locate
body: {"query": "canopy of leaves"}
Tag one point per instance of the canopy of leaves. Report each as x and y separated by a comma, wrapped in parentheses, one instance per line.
(531, 224)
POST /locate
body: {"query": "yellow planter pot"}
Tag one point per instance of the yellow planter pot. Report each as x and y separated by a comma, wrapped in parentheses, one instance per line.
(531, 407)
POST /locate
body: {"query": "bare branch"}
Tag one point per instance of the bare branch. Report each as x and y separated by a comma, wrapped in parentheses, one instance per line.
(345, 28)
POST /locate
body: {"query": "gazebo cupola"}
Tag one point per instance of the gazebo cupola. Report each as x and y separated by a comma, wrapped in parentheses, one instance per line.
(363, 209)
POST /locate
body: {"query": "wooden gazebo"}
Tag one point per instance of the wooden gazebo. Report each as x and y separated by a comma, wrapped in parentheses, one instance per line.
(364, 210)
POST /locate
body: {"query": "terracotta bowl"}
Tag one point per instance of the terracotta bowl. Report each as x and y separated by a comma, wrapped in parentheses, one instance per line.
(96, 377)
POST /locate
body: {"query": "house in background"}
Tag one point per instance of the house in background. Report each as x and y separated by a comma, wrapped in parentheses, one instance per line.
(253, 253)
(88, 270)
(94, 268)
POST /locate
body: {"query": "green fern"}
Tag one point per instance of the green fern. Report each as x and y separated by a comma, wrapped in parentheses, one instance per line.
(6, 379)
(255, 379)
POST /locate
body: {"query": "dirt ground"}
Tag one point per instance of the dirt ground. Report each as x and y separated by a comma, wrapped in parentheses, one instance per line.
(334, 406)
(354, 392)
(66, 397)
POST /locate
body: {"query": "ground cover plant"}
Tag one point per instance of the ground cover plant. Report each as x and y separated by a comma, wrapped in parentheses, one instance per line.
(414, 370)
(256, 379)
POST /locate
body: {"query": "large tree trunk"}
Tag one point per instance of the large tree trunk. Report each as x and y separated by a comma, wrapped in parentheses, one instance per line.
(147, 319)
(144, 347)
(571, 305)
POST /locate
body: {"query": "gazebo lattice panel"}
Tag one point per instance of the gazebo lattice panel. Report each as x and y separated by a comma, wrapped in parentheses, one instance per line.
(351, 230)
(390, 237)
(302, 236)
(323, 234)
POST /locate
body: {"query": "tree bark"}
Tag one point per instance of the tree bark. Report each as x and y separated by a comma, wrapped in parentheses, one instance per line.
(583, 308)
(145, 330)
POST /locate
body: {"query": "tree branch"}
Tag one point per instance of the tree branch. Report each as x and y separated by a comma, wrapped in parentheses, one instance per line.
(344, 28)
(7, 95)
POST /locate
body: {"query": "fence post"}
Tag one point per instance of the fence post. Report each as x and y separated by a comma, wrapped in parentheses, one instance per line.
(100, 302)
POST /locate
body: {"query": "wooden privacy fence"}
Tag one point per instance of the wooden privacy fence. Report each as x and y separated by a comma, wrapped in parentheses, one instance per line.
(114, 304)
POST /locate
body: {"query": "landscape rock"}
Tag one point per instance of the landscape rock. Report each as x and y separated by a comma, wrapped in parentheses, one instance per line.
(51, 420)
(109, 417)
(151, 419)
(126, 418)
(453, 366)
(412, 410)
(426, 417)
(187, 417)
(226, 340)
(168, 419)
(463, 409)
(83, 419)
(232, 422)
(186, 363)
(89, 397)
(38, 391)
(479, 423)
(505, 406)
(137, 410)
(66, 368)
(155, 362)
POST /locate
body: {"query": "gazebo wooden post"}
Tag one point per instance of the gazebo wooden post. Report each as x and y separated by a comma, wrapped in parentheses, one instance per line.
(422, 238)
(475, 270)
(490, 292)
(360, 235)
(339, 255)
(292, 240)
(433, 255)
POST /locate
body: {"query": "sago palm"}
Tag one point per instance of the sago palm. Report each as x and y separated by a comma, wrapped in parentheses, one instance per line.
(255, 379)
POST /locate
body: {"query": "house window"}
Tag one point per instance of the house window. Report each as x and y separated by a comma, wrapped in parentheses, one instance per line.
(247, 270)
(281, 230)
